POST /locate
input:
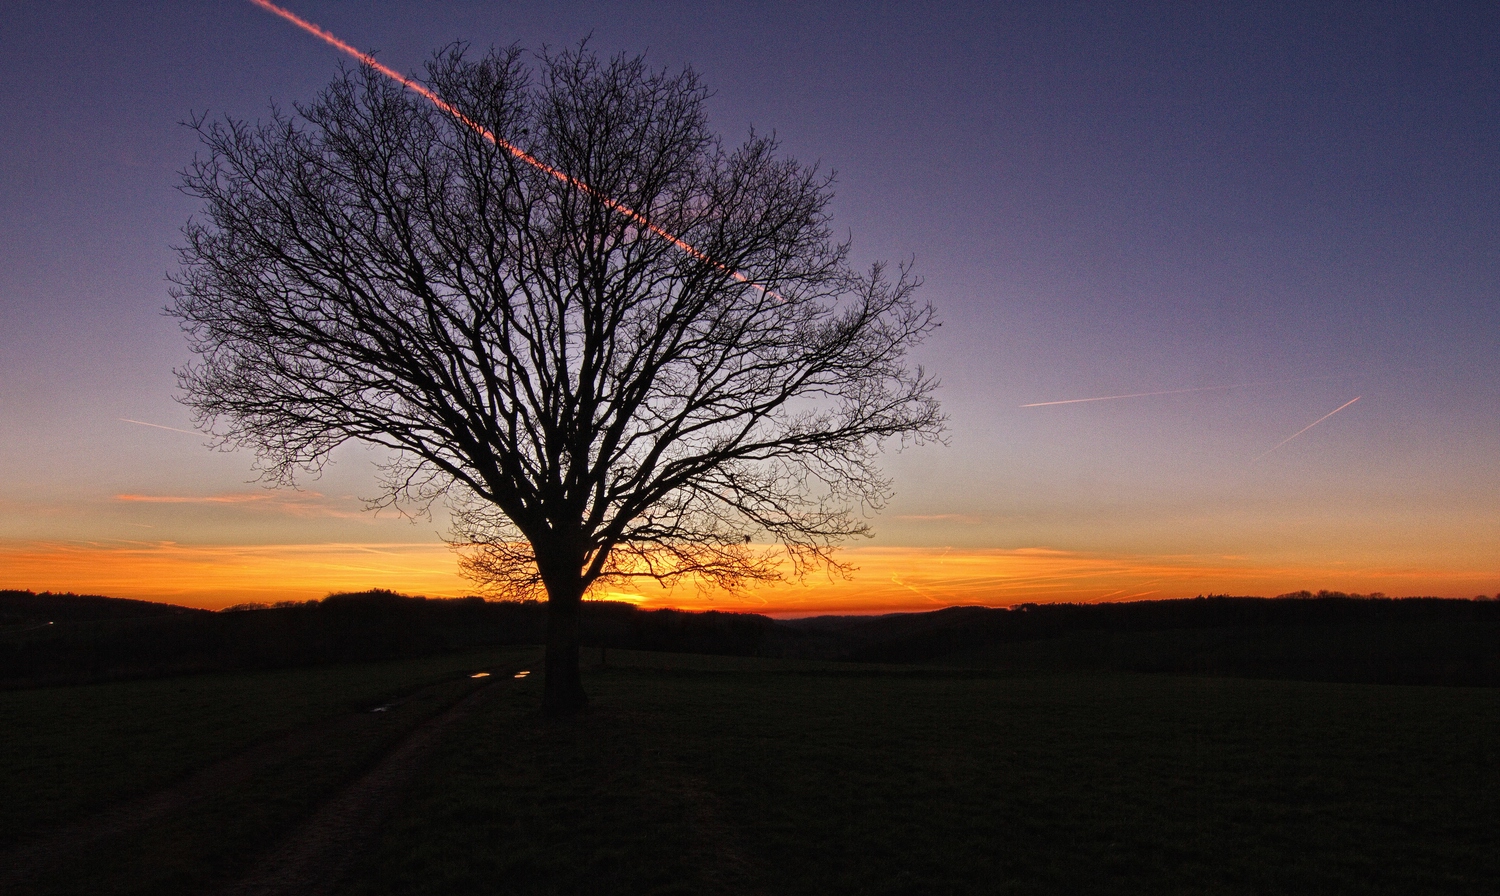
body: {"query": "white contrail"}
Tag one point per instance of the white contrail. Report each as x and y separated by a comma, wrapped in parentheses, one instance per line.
(1305, 429)
(422, 90)
(1303, 379)
(1043, 404)
(159, 426)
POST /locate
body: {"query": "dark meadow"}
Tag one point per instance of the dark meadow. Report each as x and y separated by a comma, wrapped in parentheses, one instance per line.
(379, 743)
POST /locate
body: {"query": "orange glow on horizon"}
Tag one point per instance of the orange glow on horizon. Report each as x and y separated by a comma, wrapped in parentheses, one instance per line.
(887, 579)
(216, 576)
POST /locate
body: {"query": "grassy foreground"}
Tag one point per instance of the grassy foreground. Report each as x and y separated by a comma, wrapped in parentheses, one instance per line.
(694, 775)
(698, 774)
(69, 753)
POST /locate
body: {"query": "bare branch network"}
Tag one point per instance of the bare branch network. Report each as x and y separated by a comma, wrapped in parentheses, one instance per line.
(596, 403)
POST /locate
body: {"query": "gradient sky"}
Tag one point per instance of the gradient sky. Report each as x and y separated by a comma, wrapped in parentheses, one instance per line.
(1106, 199)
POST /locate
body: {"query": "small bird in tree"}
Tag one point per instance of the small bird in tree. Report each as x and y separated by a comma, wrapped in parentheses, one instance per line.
(616, 347)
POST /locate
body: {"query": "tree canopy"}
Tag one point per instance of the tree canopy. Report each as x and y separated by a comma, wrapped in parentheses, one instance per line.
(615, 345)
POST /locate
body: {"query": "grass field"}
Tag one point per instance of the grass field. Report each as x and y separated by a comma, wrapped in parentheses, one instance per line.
(695, 774)
(745, 776)
(69, 752)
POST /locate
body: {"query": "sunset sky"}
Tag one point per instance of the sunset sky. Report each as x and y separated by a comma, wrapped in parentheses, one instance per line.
(1241, 216)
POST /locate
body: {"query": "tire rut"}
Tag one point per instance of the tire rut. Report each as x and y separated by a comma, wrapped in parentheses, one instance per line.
(315, 857)
(332, 824)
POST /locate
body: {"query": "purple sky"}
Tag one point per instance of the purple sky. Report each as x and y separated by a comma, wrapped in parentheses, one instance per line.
(1103, 199)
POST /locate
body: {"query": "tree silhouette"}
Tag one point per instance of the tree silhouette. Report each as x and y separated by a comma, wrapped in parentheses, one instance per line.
(616, 347)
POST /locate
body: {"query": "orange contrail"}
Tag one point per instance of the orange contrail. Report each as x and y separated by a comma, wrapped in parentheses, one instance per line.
(420, 89)
(1305, 428)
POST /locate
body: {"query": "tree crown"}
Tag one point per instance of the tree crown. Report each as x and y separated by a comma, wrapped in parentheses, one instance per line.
(619, 347)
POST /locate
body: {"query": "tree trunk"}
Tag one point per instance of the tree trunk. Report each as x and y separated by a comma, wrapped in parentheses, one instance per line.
(562, 687)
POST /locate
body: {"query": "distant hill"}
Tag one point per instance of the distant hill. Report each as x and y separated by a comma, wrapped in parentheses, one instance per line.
(1323, 637)
(55, 639)
(102, 638)
(28, 607)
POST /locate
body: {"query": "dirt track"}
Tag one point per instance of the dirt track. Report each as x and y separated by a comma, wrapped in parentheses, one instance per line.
(317, 853)
(315, 857)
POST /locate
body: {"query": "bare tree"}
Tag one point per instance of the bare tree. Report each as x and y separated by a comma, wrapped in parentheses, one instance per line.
(618, 348)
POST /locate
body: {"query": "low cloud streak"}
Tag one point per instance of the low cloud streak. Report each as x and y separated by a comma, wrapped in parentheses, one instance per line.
(887, 579)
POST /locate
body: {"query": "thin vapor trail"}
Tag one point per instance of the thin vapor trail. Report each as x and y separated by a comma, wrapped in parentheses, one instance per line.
(1044, 404)
(422, 90)
(159, 426)
(1305, 428)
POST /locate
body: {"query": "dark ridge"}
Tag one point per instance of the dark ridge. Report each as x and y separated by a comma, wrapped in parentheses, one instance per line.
(340, 628)
(1325, 636)
(106, 639)
(28, 607)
